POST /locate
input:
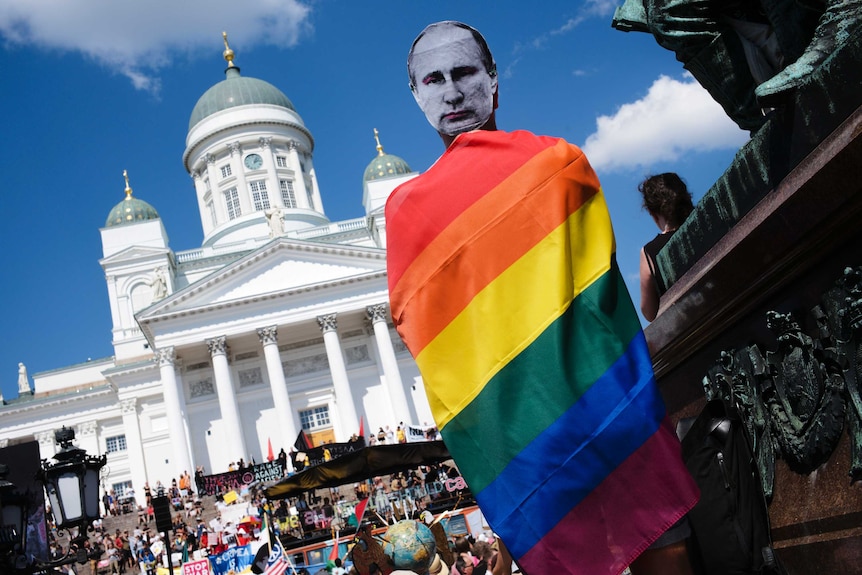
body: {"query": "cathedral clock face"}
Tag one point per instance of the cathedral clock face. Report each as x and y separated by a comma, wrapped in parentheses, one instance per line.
(253, 161)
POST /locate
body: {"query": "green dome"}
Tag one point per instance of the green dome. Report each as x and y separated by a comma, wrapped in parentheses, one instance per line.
(385, 165)
(236, 90)
(131, 211)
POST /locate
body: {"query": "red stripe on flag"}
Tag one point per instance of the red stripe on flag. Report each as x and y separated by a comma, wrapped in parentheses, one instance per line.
(277, 568)
(477, 176)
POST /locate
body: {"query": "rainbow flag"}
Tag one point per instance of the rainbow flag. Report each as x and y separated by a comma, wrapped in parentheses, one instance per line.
(504, 286)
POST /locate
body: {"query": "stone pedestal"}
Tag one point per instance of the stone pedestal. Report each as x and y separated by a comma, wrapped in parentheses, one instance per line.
(776, 234)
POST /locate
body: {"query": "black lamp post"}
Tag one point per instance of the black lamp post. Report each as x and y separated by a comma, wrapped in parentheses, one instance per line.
(11, 513)
(72, 485)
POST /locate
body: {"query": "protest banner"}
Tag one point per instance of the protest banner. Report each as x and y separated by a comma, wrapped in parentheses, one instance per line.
(199, 567)
(236, 480)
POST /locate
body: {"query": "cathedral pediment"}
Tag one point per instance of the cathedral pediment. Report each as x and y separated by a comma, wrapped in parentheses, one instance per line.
(302, 271)
(132, 254)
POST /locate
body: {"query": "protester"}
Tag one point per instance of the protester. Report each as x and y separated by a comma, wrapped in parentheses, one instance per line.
(504, 286)
(668, 201)
(147, 559)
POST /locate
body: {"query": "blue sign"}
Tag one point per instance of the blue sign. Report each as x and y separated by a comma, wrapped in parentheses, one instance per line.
(234, 559)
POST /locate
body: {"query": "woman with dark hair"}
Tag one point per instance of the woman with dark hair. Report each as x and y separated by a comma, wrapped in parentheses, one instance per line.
(668, 201)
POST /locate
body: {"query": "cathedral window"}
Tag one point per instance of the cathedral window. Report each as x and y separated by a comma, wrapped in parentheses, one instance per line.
(231, 198)
(259, 195)
(310, 196)
(281, 161)
(288, 198)
(225, 171)
(314, 418)
(115, 443)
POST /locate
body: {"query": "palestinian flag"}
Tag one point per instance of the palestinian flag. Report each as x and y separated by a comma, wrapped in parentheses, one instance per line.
(504, 286)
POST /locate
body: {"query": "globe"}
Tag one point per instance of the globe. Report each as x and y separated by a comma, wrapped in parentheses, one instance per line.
(410, 545)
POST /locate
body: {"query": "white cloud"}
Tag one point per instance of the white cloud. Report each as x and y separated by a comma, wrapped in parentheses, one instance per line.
(134, 38)
(588, 9)
(674, 118)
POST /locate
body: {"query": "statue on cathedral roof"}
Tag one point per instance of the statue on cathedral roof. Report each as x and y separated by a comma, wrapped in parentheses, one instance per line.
(23, 380)
(275, 221)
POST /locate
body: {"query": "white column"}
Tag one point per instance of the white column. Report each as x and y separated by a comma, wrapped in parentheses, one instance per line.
(315, 192)
(134, 447)
(273, 190)
(234, 442)
(181, 460)
(238, 169)
(378, 314)
(215, 189)
(283, 410)
(299, 176)
(182, 397)
(343, 395)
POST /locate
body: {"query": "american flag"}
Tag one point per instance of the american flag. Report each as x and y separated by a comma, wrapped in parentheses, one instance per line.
(277, 563)
(270, 558)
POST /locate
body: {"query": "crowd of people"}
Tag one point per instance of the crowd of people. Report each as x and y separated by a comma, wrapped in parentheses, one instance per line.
(139, 549)
(389, 436)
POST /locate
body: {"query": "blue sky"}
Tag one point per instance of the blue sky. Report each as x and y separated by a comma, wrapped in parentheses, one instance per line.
(92, 87)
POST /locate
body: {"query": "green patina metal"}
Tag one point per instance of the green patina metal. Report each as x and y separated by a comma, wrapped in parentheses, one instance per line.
(385, 166)
(131, 211)
(811, 97)
(236, 90)
(798, 396)
(817, 108)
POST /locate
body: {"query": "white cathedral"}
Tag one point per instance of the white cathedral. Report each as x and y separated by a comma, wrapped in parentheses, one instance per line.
(278, 323)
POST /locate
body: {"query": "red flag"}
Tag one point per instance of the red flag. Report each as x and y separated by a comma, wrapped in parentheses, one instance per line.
(359, 511)
(362, 426)
(302, 442)
(333, 555)
(269, 455)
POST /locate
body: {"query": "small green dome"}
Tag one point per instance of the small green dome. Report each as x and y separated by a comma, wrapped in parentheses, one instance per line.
(385, 165)
(131, 211)
(236, 90)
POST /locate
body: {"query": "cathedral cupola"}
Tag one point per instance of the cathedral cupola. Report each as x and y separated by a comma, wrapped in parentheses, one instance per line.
(250, 156)
(384, 165)
(236, 90)
(383, 174)
(131, 210)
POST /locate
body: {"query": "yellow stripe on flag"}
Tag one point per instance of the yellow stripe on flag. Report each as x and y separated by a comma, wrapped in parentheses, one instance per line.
(585, 239)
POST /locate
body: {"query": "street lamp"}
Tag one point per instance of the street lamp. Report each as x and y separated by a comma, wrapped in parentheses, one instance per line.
(72, 485)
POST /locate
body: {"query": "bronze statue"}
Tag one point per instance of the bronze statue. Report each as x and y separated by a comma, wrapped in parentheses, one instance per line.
(840, 20)
(745, 53)
(843, 319)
